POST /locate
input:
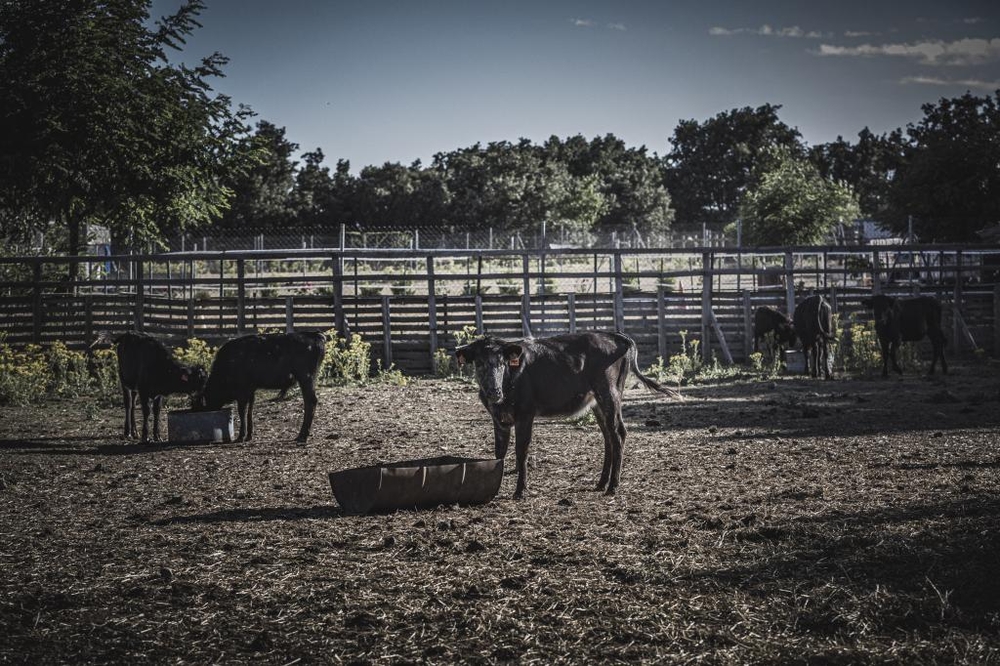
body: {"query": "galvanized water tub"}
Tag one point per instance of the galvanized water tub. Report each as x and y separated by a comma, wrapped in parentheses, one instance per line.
(417, 484)
(185, 425)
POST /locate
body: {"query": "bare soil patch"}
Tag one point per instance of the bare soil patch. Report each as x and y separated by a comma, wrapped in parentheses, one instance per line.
(794, 521)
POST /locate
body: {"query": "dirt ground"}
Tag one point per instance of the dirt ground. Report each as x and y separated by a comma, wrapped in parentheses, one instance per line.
(793, 521)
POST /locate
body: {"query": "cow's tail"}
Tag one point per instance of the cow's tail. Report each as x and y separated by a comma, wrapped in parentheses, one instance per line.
(824, 324)
(633, 365)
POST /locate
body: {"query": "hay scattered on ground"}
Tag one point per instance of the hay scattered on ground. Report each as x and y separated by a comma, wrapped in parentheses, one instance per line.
(794, 521)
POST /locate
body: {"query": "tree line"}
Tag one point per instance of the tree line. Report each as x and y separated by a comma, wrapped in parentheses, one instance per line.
(104, 126)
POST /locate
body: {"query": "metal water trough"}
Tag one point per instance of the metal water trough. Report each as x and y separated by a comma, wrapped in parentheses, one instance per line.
(795, 363)
(185, 425)
(417, 484)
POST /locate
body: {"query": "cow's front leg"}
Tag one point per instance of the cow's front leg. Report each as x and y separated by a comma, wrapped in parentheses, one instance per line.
(145, 401)
(501, 438)
(522, 439)
(241, 407)
(885, 358)
(250, 402)
(157, 405)
(128, 398)
(893, 351)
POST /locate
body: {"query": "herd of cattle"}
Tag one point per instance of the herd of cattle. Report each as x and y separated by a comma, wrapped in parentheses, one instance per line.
(897, 320)
(518, 380)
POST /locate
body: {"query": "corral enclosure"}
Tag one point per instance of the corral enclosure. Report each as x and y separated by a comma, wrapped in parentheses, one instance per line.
(409, 304)
(785, 521)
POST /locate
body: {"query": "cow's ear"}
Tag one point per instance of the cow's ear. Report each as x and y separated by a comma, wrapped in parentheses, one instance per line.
(513, 353)
(467, 353)
(184, 377)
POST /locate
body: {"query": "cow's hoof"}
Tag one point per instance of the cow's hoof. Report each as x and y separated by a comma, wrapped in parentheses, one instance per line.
(610, 492)
(601, 486)
(519, 495)
(301, 441)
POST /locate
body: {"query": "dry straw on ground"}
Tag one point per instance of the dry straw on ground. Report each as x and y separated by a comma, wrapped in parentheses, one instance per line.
(795, 521)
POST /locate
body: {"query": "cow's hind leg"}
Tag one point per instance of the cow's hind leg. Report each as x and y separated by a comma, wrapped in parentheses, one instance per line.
(145, 401)
(618, 448)
(128, 400)
(157, 406)
(893, 354)
(937, 345)
(606, 430)
(250, 401)
(885, 357)
(309, 402)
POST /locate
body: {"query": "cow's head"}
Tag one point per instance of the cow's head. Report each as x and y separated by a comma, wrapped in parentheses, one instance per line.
(881, 306)
(494, 360)
(193, 379)
(785, 334)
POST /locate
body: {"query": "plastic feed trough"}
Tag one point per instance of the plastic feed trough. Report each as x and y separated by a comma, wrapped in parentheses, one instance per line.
(417, 484)
(189, 426)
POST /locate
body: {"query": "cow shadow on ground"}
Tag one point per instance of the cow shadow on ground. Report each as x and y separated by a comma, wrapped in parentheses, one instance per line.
(63, 446)
(899, 568)
(248, 515)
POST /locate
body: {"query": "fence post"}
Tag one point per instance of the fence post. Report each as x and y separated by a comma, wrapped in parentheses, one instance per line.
(432, 308)
(571, 305)
(88, 309)
(338, 290)
(706, 302)
(386, 335)
(747, 326)
(876, 274)
(479, 314)
(526, 316)
(956, 302)
(789, 283)
(36, 287)
(525, 270)
(140, 288)
(661, 322)
(289, 314)
(241, 273)
(190, 317)
(619, 302)
(996, 321)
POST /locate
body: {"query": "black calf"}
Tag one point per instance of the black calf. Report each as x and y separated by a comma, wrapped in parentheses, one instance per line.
(907, 320)
(272, 361)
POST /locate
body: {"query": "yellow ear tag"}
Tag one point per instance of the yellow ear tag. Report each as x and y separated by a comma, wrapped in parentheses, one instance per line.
(515, 362)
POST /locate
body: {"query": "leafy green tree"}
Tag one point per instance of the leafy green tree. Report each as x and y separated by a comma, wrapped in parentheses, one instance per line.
(100, 126)
(262, 194)
(868, 166)
(949, 179)
(790, 203)
(711, 164)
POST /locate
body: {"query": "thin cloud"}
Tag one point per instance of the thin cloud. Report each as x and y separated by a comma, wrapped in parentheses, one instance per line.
(958, 83)
(928, 52)
(617, 26)
(582, 23)
(972, 20)
(860, 33)
(767, 31)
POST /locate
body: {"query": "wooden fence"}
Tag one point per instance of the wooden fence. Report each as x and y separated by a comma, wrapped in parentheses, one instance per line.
(409, 305)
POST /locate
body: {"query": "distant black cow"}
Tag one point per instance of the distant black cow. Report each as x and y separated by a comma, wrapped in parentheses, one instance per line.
(558, 376)
(814, 326)
(148, 371)
(907, 320)
(271, 361)
(767, 319)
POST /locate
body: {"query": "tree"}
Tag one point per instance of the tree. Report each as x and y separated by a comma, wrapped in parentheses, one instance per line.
(790, 203)
(262, 193)
(867, 166)
(949, 178)
(100, 127)
(710, 164)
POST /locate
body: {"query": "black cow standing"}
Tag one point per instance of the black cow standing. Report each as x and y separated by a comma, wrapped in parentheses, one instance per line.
(558, 376)
(813, 319)
(148, 371)
(270, 361)
(907, 320)
(767, 319)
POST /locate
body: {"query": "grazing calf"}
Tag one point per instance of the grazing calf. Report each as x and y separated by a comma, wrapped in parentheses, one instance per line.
(558, 376)
(271, 361)
(814, 327)
(767, 319)
(907, 320)
(147, 370)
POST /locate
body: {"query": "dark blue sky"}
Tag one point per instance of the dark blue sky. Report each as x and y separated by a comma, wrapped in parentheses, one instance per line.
(374, 81)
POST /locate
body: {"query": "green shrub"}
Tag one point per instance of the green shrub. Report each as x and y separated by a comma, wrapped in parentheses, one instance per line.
(196, 353)
(346, 363)
(104, 369)
(68, 371)
(25, 375)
